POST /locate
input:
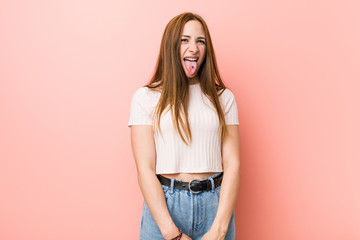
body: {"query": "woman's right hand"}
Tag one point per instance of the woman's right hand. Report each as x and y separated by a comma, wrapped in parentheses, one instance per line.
(184, 237)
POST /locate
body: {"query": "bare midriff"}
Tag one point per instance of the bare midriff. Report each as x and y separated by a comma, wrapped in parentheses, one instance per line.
(187, 177)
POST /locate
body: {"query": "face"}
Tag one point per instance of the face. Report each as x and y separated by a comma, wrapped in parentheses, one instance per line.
(192, 48)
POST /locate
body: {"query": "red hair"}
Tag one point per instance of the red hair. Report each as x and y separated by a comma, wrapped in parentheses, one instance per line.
(169, 76)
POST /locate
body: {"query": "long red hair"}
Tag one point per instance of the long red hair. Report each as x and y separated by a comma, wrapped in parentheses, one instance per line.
(169, 76)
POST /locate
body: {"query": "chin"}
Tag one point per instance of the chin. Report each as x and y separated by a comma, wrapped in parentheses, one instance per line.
(191, 77)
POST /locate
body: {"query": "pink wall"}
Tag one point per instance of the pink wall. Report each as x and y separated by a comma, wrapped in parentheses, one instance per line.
(67, 73)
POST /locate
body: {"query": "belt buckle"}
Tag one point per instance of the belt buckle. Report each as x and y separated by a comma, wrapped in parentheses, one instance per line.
(190, 187)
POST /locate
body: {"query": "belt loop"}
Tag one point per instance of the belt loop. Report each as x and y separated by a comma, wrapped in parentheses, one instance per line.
(212, 184)
(172, 185)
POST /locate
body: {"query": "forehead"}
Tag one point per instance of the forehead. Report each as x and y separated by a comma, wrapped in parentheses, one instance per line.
(193, 27)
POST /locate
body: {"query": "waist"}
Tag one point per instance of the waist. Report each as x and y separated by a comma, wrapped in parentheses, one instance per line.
(196, 185)
(187, 177)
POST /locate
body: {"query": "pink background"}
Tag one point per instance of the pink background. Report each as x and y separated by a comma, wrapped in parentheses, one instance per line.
(68, 70)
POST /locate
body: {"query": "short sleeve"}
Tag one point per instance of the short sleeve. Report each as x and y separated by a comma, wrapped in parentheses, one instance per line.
(230, 109)
(140, 112)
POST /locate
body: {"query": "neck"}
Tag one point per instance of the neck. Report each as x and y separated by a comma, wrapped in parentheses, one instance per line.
(193, 80)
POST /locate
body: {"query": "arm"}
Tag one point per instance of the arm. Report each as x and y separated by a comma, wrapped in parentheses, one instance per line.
(229, 188)
(143, 147)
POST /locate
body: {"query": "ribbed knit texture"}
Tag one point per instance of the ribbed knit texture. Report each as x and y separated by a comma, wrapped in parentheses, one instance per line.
(172, 154)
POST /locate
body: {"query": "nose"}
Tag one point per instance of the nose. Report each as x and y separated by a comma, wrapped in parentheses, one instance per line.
(193, 47)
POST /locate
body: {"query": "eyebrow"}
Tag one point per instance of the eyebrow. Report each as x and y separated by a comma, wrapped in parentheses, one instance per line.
(189, 36)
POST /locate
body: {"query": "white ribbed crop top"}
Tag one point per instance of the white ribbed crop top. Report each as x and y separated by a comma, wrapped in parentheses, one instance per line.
(172, 154)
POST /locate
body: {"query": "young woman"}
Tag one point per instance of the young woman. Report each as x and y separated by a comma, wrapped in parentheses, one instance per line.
(185, 140)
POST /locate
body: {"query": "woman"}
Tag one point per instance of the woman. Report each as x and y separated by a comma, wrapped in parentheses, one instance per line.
(185, 140)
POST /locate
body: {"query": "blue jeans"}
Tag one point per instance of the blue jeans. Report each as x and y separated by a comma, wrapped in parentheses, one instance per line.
(192, 213)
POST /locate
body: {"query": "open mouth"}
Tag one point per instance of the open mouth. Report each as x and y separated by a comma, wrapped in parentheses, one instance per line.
(191, 59)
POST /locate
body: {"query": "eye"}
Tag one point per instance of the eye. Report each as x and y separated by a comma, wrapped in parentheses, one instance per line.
(184, 39)
(202, 41)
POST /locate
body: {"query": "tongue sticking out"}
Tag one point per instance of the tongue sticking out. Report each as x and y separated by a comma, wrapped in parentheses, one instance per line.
(191, 66)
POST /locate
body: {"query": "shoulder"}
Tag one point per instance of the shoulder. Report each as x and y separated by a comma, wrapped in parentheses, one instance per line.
(226, 95)
(141, 92)
(227, 99)
(145, 94)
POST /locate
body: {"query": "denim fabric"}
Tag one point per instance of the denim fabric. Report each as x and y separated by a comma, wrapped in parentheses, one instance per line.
(193, 213)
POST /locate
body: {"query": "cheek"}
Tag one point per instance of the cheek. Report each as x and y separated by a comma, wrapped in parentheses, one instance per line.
(204, 54)
(181, 51)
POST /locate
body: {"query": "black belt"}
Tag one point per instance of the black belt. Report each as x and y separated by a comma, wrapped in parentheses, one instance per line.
(195, 186)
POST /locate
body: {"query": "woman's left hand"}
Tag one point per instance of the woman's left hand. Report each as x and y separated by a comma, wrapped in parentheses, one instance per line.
(213, 235)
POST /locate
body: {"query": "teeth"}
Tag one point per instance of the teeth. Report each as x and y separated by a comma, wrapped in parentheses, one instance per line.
(191, 59)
